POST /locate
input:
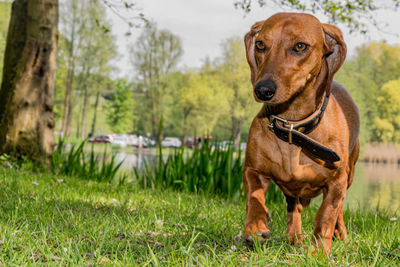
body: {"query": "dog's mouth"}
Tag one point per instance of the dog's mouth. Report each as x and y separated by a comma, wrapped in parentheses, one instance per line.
(282, 94)
(269, 95)
(264, 96)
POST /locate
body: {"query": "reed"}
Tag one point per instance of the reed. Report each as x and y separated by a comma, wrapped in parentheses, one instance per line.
(208, 170)
(87, 165)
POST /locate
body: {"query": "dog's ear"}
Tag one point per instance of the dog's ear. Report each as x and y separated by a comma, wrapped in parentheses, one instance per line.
(249, 40)
(335, 49)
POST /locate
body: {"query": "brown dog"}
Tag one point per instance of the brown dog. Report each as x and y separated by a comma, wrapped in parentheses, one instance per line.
(305, 138)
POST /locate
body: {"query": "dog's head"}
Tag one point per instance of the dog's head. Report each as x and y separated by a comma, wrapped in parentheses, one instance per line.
(288, 51)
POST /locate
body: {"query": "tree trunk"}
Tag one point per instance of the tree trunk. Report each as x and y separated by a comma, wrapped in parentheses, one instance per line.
(26, 95)
(68, 93)
(69, 118)
(84, 111)
(78, 124)
(70, 79)
(186, 112)
(236, 130)
(78, 129)
(95, 114)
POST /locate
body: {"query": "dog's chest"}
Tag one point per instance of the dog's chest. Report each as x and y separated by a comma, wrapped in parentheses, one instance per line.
(295, 173)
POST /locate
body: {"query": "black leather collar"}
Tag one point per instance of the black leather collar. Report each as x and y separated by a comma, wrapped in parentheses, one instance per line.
(294, 132)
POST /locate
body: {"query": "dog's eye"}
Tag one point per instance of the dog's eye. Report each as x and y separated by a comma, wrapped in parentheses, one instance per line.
(260, 46)
(300, 47)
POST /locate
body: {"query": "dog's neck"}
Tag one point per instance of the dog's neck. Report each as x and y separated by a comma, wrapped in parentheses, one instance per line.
(304, 103)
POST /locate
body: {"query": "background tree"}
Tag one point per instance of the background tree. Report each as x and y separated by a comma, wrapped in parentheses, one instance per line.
(387, 122)
(26, 116)
(354, 14)
(154, 56)
(26, 95)
(235, 74)
(73, 20)
(202, 100)
(101, 84)
(87, 51)
(61, 76)
(364, 75)
(95, 60)
(173, 117)
(120, 107)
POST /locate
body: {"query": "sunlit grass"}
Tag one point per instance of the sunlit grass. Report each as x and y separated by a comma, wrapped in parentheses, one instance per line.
(61, 220)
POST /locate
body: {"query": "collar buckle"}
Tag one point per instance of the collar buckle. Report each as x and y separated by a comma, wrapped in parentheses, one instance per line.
(285, 122)
(290, 134)
(271, 127)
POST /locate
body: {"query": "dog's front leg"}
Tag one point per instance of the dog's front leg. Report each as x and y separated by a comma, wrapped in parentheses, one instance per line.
(257, 214)
(328, 213)
(294, 209)
(340, 227)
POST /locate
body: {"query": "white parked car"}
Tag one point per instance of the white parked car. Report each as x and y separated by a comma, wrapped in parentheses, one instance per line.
(147, 142)
(171, 142)
(120, 140)
(132, 140)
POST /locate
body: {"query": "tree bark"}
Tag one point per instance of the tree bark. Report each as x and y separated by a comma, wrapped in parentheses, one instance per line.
(95, 114)
(69, 80)
(68, 93)
(78, 124)
(69, 118)
(26, 94)
(236, 130)
(84, 111)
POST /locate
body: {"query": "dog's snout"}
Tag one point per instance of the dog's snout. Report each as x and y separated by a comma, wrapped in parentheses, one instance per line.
(265, 90)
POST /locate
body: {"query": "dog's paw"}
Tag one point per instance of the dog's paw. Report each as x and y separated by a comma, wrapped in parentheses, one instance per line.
(295, 239)
(340, 233)
(249, 241)
(260, 235)
(256, 227)
(318, 251)
(322, 246)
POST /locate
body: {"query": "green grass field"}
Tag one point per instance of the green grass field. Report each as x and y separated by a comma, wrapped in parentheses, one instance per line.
(54, 220)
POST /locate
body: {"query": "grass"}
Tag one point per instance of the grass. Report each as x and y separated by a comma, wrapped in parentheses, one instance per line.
(59, 220)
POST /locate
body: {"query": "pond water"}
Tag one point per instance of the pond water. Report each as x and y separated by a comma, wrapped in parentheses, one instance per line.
(137, 159)
(374, 186)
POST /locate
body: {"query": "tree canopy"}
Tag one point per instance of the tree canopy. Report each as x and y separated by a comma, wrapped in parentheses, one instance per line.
(355, 14)
(154, 56)
(120, 107)
(366, 75)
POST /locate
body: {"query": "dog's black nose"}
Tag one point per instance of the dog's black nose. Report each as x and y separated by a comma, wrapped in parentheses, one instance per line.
(265, 90)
